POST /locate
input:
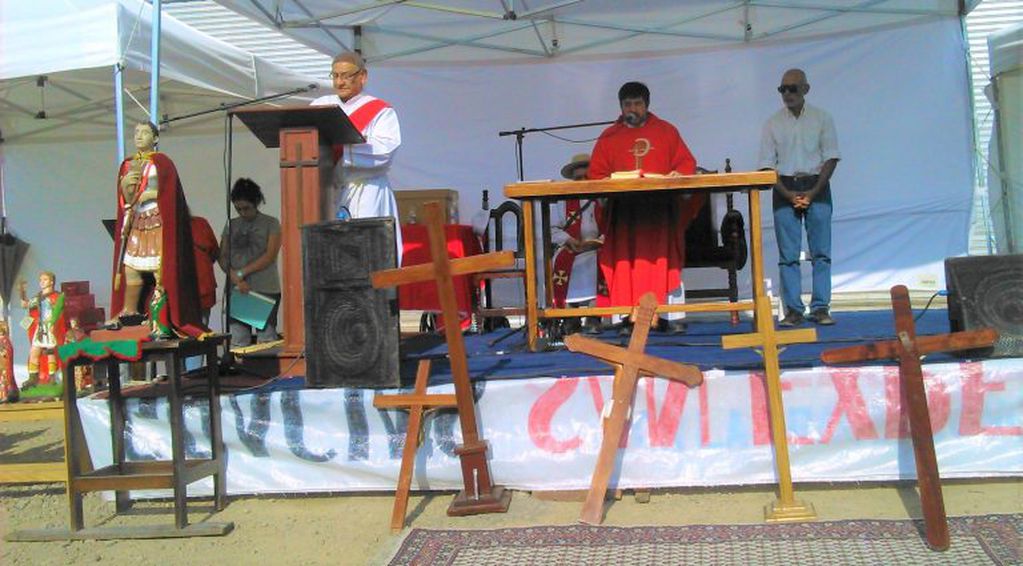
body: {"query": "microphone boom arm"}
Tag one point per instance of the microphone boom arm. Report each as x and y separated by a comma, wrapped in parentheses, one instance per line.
(521, 133)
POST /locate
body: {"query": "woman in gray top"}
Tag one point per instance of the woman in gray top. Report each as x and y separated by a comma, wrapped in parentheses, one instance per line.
(250, 244)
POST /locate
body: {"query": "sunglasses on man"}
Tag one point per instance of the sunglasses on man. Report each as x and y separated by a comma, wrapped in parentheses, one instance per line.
(791, 89)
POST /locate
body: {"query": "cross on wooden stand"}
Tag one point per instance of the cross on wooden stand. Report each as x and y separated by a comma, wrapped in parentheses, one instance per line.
(478, 495)
(786, 508)
(629, 364)
(414, 403)
(908, 349)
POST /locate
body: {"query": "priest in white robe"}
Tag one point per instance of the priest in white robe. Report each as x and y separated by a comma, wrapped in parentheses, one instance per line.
(361, 187)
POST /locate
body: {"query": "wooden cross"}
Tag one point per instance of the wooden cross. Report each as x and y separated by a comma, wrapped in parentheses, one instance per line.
(908, 349)
(478, 495)
(414, 403)
(786, 508)
(629, 364)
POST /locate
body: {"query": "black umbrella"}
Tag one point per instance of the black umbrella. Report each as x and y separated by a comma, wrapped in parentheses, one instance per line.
(12, 251)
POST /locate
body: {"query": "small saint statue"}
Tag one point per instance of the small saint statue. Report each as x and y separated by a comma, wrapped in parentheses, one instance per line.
(46, 328)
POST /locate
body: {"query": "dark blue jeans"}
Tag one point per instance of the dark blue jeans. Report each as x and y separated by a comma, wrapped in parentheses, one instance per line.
(788, 230)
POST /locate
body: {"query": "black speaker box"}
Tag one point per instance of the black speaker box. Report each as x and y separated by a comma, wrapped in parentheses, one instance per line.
(351, 329)
(987, 292)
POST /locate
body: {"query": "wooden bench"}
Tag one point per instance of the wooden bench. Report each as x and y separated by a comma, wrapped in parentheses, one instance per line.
(41, 472)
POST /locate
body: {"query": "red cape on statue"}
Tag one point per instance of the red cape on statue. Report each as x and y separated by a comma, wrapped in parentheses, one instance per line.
(177, 265)
(644, 234)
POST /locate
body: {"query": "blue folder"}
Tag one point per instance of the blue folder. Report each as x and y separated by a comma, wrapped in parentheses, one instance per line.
(252, 308)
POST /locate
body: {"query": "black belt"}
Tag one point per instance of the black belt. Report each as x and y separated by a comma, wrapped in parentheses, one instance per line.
(799, 183)
(799, 178)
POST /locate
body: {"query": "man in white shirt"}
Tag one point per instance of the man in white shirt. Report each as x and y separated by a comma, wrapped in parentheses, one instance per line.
(361, 187)
(799, 141)
(577, 235)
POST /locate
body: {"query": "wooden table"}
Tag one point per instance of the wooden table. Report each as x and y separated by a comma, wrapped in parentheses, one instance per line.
(123, 476)
(543, 193)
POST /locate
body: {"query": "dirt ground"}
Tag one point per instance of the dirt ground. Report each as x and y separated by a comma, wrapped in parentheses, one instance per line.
(353, 529)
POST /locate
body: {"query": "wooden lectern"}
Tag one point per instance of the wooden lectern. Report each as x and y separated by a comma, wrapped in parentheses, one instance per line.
(305, 135)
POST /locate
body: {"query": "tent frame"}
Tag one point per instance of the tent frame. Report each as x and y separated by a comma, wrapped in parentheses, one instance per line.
(546, 16)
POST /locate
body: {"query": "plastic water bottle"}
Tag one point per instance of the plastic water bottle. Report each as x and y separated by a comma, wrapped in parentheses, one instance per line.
(482, 217)
(770, 297)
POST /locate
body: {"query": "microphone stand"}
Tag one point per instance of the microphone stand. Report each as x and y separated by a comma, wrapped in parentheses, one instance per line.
(521, 133)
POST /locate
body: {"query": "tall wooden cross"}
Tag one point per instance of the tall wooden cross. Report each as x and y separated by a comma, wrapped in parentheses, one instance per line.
(907, 349)
(786, 508)
(629, 364)
(478, 495)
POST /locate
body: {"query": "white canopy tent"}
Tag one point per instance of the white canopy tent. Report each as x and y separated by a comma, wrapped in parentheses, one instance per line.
(1005, 179)
(59, 85)
(893, 74)
(59, 150)
(446, 31)
(898, 92)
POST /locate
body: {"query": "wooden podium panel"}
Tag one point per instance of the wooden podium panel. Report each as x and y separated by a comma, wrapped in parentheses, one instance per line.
(306, 168)
(304, 135)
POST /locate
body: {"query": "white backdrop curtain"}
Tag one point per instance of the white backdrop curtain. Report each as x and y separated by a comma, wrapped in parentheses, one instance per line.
(899, 97)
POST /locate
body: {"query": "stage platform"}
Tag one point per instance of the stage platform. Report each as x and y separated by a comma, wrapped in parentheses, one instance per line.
(541, 414)
(503, 354)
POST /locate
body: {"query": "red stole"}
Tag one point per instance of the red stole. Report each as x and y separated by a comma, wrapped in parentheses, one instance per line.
(361, 117)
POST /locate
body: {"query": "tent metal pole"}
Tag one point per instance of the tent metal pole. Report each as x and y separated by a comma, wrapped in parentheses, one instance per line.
(1003, 171)
(225, 312)
(119, 111)
(154, 76)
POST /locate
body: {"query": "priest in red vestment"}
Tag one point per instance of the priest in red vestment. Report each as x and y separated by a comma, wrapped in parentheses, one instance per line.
(644, 245)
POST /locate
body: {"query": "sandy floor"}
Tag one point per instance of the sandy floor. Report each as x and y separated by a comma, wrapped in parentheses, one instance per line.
(353, 529)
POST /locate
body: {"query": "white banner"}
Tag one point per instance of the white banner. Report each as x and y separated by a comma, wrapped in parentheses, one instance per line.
(844, 424)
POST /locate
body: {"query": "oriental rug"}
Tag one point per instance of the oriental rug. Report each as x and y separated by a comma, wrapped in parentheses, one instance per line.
(989, 539)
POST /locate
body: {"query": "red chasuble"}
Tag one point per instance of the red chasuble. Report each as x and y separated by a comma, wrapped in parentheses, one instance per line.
(644, 246)
(177, 264)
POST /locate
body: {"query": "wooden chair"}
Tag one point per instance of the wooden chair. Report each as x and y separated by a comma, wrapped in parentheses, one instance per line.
(488, 316)
(725, 248)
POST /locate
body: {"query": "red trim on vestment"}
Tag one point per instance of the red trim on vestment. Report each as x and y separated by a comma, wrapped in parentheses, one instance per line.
(361, 117)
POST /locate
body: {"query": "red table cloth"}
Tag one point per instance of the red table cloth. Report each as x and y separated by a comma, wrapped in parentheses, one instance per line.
(461, 242)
